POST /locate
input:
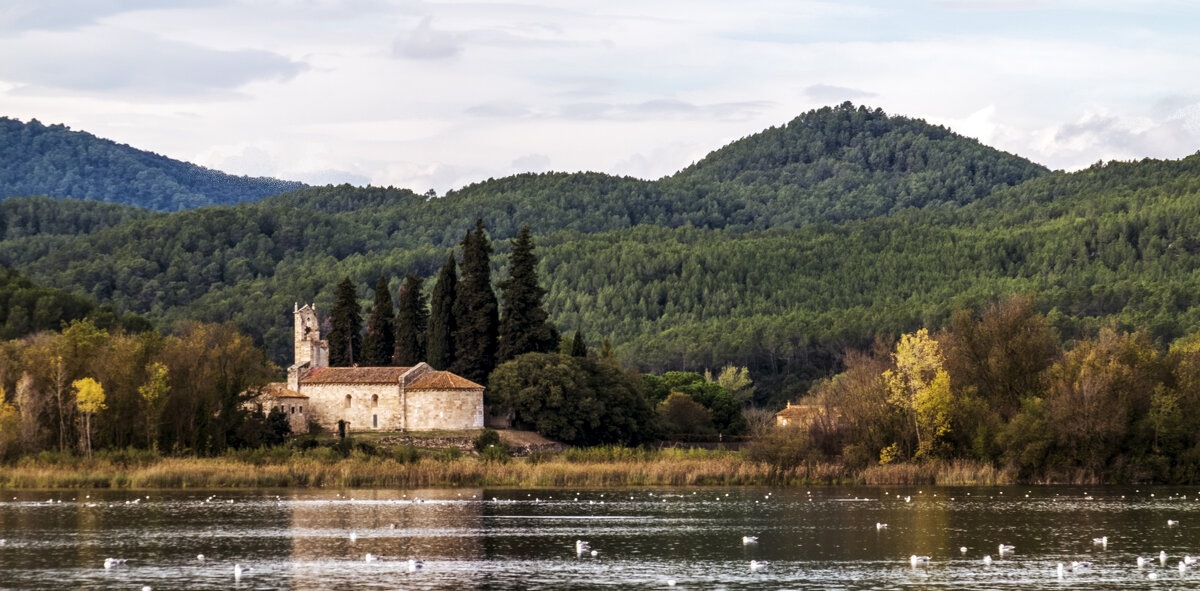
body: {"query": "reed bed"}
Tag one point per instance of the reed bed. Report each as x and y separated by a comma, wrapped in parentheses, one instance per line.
(589, 467)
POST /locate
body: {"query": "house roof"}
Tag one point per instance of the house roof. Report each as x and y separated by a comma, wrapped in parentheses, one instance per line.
(280, 390)
(800, 411)
(354, 375)
(442, 380)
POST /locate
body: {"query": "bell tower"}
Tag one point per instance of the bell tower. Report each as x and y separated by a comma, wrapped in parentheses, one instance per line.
(309, 348)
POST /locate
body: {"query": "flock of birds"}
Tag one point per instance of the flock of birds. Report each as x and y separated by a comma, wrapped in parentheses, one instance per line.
(1185, 562)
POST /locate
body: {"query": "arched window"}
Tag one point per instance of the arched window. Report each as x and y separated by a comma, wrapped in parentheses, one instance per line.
(374, 401)
(347, 401)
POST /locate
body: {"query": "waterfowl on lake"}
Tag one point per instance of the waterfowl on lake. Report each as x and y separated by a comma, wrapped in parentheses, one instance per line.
(414, 564)
(581, 546)
(1162, 557)
(1141, 562)
(370, 557)
(1100, 541)
(758, 565)
(963, 549)
(1005, 548)
(1078, 566)
(987, 559)
(915, 560)
(111, 562)
(747, 540)
(880, 525)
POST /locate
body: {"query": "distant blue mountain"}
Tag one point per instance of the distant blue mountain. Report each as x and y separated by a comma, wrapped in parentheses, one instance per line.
(37, 159)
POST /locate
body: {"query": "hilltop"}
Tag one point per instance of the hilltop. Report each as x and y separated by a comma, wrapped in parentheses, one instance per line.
(54, 161)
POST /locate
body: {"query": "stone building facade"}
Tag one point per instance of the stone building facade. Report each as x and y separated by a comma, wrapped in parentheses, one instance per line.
(416, 398)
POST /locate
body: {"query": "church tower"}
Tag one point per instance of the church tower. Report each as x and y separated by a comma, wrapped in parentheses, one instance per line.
(309, 348)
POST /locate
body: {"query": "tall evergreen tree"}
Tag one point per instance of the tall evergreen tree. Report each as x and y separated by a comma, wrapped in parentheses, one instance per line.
(524, 324)
(439, 337)
(579, 345)
(380, 341)
(345, 338)
(476, 311)
(412, 322)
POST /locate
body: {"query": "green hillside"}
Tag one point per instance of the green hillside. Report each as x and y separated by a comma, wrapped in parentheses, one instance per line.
(37, 159)
(925, 222)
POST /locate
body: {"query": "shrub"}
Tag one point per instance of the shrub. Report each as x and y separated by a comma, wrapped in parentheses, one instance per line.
(406, 454)
(486, 439)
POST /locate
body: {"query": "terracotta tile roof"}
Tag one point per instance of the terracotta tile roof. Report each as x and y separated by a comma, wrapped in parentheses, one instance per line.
(354, 375)
(800, 411)
(280, 390)
(442, 380)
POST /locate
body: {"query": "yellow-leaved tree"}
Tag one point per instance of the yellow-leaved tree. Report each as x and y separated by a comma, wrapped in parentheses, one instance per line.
(154, 396)
(10, 427)
(89, 398)
(920, 386)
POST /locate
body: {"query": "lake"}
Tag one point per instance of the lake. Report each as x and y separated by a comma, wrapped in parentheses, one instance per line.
(811, 538)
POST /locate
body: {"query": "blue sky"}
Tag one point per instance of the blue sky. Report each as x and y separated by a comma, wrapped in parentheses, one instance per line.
(440, 94)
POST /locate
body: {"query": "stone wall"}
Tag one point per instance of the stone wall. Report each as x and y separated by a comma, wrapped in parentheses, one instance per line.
(327, 403)
(445, 409)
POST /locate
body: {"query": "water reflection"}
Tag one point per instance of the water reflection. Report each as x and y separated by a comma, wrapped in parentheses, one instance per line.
(820, 538)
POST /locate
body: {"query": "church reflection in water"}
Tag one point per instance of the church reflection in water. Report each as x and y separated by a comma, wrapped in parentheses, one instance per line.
(440, 528)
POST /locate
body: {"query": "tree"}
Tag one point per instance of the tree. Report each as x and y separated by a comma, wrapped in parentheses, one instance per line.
(412, 323)
(524, 323)
(682, 415)
(579, 345)
(572, 399)
(10, 427)
(737, 381)
(380, 341)
(89, 397)
(475, 310)
(154, 397)
(345, 337)
(439, 338)
(920, 386)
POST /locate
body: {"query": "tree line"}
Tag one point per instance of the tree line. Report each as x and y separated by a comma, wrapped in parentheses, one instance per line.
(1000, 386)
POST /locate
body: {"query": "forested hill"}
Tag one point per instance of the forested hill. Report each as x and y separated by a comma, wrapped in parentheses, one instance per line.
(828, 165)
(675, 287)
(37, 159)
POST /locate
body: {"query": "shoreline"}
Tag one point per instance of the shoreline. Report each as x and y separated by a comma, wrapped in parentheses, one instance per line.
(586, 468)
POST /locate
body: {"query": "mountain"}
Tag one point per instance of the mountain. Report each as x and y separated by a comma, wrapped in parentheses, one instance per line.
(37, 159)
(769, 266)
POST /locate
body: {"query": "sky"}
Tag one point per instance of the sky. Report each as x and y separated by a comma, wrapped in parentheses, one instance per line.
(437, 95)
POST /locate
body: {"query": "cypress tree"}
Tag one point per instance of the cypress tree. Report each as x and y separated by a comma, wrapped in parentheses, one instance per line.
(380, 340)
(412, 322)
(475, 311)
(345, 338)
(578, 346)
(439, 337)
(524, 324)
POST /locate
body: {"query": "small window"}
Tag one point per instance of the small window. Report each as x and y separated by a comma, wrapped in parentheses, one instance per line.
(293, 410)
(375, 421)
(374, 401)
(301, 409)
(347, 401)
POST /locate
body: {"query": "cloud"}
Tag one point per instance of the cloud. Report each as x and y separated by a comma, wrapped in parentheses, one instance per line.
(107, 61)
(655, 109)
(531, 163)
(827, 93)
(330, 176)
(56, 15)
(1102, 135)
(424, 43)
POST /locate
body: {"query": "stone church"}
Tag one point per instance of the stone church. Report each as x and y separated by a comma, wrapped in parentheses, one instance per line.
(417, 398)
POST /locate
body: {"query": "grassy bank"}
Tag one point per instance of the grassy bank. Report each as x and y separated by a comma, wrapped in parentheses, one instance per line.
(593, 467)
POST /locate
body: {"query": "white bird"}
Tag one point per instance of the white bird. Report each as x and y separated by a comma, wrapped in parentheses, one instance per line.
(1100, 541)
(370, 557)
(907, 499)
(963, 549)
(1189, 560)
(670, 582)
(1078, 566)
(1152, 576)
(747, 540)
(1060, 570)
(1141, 562)
(758, 565)
(581, 546)
(1006, 548)
(915, 560)
(1172, 522)
(353, 537)
(1162, 557)
(200, 557)
(111, 562)
(239, 570)
(414, 564)
(146, 588)
(880, 525)
(987, 559)
(1182, 566)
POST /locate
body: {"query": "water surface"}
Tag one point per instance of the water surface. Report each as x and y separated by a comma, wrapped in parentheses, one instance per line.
(818, 538)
